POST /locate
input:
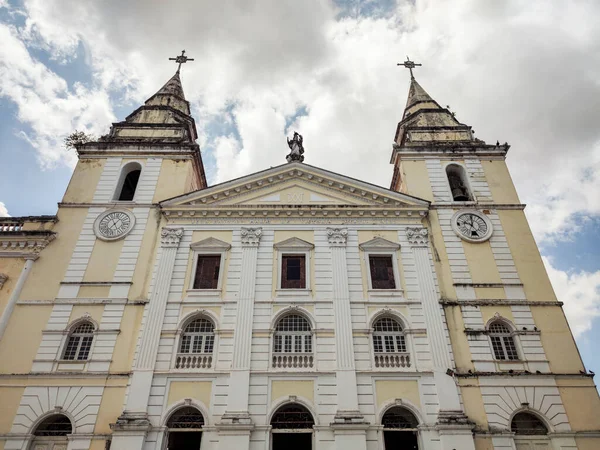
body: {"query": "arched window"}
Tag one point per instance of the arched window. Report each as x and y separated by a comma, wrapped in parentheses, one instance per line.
(292, 427)
(457, 178)
(130, 175)
(185, 429)
(55, 425)
(292, 343)
(400, 428)
(196, 345)
(79, 342)
(389, 344)
(527, 424)
(503, 342)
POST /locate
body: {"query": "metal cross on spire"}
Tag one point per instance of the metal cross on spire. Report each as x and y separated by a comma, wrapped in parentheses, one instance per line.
(410, 65)
(181, 59)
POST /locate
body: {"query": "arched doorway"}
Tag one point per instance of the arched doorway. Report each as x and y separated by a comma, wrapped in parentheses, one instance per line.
(530, 432)
(400, 429)
(51, 433)
(185, 429)
(292, 428)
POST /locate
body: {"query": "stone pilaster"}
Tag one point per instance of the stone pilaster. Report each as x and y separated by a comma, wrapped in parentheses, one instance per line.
(14, 296)
(131, 427)
(235, 426)
(453, 426)
(349, 424)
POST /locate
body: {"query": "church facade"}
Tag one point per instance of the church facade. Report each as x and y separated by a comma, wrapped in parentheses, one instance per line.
(292, 308)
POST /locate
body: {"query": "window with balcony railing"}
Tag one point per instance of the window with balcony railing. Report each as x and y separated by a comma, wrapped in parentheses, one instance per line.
(389, 344)
(196, 345)
(292, 343)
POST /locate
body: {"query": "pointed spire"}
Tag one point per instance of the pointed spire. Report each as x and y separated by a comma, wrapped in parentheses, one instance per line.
(171, 94)
(418, 99)
(172, 87)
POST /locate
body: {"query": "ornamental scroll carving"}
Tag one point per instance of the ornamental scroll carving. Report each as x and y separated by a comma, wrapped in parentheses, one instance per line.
(417, 236)
(337, 237)
(251, 236)
(170, 237)
(3, 278)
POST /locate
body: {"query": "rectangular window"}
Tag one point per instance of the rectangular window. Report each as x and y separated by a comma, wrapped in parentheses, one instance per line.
(207, 272)
(382, 272)
(293, 272)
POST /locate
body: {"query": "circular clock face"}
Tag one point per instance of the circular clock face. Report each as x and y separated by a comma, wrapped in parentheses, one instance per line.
(472, 226)
(114, 224)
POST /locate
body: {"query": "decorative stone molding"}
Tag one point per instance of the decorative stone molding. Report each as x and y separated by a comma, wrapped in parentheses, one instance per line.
(3, 278)
(251, 236)
(337, 237)
(170, 237)
(417, 235)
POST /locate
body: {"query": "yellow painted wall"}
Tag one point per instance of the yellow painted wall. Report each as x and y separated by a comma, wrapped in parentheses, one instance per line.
(111, 407)
(587, 443)
(500, 182)
(389, 390)
(84, 180)
(198, 390)
(103, 260)
(305, 235)
(300, 388)
(416, 177)
(581, 402)
(557, 340)
(482, 264)
(441, 261)
(458, 338)
(473, 401)
(10, 397)
(25, 328)
(146, 257)
(483, 443)
(172, 179)
(126, 340)
(49, 269)
(11, 267)
(526, 256)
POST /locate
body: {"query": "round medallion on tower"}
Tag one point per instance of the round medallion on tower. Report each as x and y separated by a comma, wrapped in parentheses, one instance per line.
(114, 224)
(471, 225)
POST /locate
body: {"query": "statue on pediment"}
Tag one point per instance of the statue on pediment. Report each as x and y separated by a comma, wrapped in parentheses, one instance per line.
(297, 150)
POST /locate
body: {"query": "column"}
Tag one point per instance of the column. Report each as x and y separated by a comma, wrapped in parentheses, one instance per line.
(452, 425)
(236, 424)
(349, 425)
(131, 427)
(12, 301)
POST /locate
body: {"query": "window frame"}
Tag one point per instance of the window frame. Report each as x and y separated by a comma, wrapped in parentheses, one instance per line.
(408, 341)
(378, 247)
(67, 337)
(294, 311)
(294, 246)
(512, 334)
(125, 169)
(208, 247)
(199, 314)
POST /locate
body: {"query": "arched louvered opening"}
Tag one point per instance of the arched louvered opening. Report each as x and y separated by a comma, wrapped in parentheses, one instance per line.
(527, 424)
(400, 429)
(79, 342)
(128, 182)
(184, 429)
(51, 433)
(459, 186)
(292, 427)
(389, 344)
(503, 342)
(196, 345)
(292, 343)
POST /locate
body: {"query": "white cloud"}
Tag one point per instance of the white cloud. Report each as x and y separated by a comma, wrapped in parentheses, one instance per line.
(3, 210)
(580, 292)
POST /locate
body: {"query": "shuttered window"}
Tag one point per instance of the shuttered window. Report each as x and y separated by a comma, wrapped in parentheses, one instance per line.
(293, 272)
(382, 272)
(207, 272)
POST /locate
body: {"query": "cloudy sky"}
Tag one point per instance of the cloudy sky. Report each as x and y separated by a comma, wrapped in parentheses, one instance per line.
(526, 72)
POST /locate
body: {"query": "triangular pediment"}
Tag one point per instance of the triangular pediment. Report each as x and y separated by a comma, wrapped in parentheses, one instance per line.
(210, 245)
(379, 243)
(294, 185)
(294, 243)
